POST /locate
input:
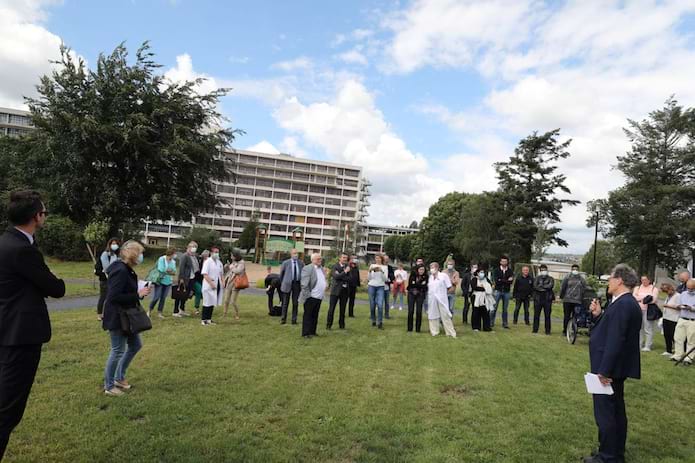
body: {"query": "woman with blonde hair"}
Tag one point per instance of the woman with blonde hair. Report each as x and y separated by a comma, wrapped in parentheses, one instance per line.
(235, 270)
(122, 294)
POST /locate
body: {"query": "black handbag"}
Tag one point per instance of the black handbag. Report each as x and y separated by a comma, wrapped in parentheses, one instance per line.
(134, 320)
(654, 312)
(180, 292)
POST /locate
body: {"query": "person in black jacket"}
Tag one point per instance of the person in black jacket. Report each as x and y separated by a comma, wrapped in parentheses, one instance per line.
(353, 284)
(543, 297)
(466, 291)
(340, 275)
(123, 293)
(387, 289)
(614, 355)
(503, 277)
(272, 284)
(108, 257)
(523, 290)
(417, 293)
(25, 281)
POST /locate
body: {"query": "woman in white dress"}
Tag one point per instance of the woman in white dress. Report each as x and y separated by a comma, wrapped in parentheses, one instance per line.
(213, 285)
(438, 301)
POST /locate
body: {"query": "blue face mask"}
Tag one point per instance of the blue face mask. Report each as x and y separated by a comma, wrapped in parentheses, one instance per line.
(141, 258)
(481, 274)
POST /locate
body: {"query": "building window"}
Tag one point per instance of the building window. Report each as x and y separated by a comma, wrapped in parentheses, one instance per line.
(282, 206)
(241, 180)
(314, 220)
(244, 191)
(350, 183)
(280, 217)
(315, 210)
(285, 164)
(266, 162)
(248, 159)
(333, 212)
(243, 202)
(263, 194)
(262, 204)
(299, 187)
(282, 185)
(298, 176)
(349, 194)
(316, 199)
(297, 208)
(299, 198)
(317, 189)
(352, 173)
(280, 195)
(280, 228)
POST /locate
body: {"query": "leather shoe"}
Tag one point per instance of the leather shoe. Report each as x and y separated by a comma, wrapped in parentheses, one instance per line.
(593, 459)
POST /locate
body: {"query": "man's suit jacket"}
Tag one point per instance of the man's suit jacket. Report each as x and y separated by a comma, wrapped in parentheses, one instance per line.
(614, 343)
(309, 280)
(340, 276)
(25, 281)
(185, 268)
(286, 274)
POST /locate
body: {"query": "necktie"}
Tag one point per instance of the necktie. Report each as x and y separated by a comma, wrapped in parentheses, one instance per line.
(294, 270)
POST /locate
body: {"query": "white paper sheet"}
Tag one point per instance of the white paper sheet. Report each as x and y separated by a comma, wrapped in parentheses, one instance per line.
(141, 284)
(594, 386)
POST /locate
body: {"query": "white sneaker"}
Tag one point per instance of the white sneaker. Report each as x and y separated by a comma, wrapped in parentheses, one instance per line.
(149, 314)
(400, 308)
(114, 392)
(204, 322)
(184, 313)
(646, 349)
(177, 315)
(666, 354)
(210, 322)
(393, 308)
(160, 315)
(124, 385)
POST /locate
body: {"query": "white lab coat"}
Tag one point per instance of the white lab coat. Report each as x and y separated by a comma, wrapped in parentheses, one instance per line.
(213, 269)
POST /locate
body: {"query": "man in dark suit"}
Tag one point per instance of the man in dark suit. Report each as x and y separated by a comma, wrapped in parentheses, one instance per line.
(340, 280)
(353, 284)
(290, 285)
(24, 324)
(313, 289)
(615, 356)
(272, 284)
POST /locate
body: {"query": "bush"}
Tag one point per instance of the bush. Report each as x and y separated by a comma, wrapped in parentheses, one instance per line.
(62, 238)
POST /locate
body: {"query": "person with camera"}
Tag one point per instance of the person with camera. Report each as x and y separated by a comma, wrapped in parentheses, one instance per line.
(108, 257)
(378, 276)
(646, 293)
(614, 356)
(123, 293)
(340, 274)
(417, 293)
(671, 314)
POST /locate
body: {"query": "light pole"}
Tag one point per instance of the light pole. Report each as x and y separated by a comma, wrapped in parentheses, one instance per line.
(593, 270)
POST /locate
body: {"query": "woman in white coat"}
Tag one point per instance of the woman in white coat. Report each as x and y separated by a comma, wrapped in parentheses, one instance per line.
(213, 285)
(438, 301)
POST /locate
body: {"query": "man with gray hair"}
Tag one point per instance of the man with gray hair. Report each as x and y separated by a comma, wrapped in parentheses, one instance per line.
(683, 278)
(614, 353)
(313, 290)
(684, 335)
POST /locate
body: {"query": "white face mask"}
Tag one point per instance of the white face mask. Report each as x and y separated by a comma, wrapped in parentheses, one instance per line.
(544, 273)
(141, 258)
(215, 255)
(433, 270)
(575, 272)
(114, 247)
(194, 250)
(481, 274)
(450, 267)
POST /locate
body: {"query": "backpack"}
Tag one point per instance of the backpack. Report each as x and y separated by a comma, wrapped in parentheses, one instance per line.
(99, 269)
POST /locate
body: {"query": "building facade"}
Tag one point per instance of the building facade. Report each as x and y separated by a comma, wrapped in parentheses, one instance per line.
(14, 122)
(371, 240)
(285, 192)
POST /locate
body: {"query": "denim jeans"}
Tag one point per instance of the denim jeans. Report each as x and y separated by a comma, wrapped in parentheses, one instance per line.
(160, 295)
(395, 298)
(120, 357)
(387, 307)
(376, 301)
(504, 297)
(452, 302)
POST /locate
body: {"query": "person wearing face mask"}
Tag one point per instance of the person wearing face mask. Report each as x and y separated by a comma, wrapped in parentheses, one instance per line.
(123, 294)
(683, 278)
(234, 270)
(671, 314)
(455, 280)
(108, 257)
(684, 335)
(188, 269)
(354, 283)
(646, 293)
(417, 293)
(167, 268)
(503, 277)
(483, 300)
(466, 291)
(438, 301)
(25, 282)
(543, 296)
(523, 290)
(290, 285)
(572, 294)
(213, 285)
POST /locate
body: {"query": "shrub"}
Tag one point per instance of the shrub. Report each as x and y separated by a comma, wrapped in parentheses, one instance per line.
(62, 238)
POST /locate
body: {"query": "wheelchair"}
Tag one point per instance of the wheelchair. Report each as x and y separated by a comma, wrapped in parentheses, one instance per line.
(582, 320)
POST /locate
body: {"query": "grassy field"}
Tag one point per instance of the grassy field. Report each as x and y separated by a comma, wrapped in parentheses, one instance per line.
(255, 391)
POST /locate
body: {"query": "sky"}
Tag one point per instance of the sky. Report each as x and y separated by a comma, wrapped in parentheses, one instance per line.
(424, 95)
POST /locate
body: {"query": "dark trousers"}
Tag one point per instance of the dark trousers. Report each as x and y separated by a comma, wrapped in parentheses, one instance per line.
(271, 296)
(18, 365)
(207, 312)
(669, 331)
(480, 316)
(342, 297)
(415, 303)
(568, 309)
(545, 305)
(103, 287)
(294, 293)
(467, 304)
(526, 303)
(180, 304)
(310, 319)
(609, 411)
(352, 292)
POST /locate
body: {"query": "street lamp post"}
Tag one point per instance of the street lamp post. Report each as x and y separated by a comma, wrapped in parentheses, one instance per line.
(593, 270)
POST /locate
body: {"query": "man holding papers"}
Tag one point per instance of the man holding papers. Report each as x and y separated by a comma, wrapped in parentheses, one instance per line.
(615, 356)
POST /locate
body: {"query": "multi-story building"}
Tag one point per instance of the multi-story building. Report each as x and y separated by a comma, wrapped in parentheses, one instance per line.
(14, 122)
(285, 192)
(371, 241)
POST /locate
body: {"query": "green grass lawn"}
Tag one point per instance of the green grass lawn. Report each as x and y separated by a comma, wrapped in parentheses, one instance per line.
(255, 391)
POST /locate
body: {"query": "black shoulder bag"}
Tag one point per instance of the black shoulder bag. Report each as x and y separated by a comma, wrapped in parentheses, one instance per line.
(134, 320)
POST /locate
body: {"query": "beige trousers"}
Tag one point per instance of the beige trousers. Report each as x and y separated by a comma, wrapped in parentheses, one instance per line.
(231, 295)
(445, 317)
(685, 331)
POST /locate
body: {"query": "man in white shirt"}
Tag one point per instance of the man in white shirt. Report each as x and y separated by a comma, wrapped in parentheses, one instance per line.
(437, 289)
(313, 289)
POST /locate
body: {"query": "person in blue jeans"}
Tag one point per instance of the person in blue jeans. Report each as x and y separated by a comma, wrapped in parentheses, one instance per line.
(503, 276)
(378, 275)
(167, 267)
(122, 293)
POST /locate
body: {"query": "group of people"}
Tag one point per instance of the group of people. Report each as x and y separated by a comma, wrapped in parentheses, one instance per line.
(620, 328)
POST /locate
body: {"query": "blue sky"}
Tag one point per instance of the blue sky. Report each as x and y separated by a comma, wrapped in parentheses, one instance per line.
(424, 95)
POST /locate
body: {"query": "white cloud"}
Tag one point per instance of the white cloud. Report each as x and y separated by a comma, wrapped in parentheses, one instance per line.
(184, 72)
(353, 57)
(26, 47)
(300, 63)
(264, 146)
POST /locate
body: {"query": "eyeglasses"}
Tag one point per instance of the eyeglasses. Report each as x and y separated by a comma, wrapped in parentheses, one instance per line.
(43, 213)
